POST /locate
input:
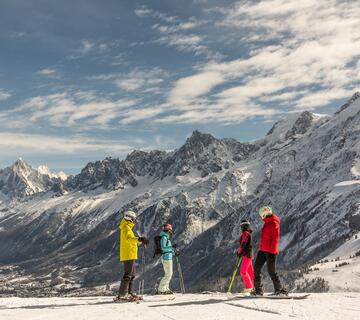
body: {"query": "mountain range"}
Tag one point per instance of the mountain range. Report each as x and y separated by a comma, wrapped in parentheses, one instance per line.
(61, 232)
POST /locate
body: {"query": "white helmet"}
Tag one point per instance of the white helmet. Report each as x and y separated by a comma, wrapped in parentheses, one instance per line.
(130, 215)
(265, 211)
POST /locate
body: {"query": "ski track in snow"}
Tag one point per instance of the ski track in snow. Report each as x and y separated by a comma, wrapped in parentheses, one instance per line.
(189, 306)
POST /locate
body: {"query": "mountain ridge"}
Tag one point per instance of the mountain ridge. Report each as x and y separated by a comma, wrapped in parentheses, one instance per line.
(305, 169)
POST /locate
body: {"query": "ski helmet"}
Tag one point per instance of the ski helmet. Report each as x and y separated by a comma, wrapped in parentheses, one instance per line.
(265, 211)
(130, 216)
(244, 223)
(167, 227)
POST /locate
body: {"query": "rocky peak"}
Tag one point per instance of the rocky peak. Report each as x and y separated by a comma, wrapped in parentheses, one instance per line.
(198, 138)
(355, 97)
(108, 173)
(301, 125)
(21, 167)
(21, 179)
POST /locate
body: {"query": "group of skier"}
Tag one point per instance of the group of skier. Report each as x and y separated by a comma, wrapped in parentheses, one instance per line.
(267, 253)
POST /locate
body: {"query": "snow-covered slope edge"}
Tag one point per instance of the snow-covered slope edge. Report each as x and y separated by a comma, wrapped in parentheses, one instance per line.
(189, 306)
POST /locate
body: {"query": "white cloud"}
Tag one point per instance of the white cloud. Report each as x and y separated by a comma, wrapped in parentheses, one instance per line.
(185, 42)
(145, 79)
(80, 109)
(189, 88)
(87, 46)
(18, 34)
(22, 143)
(321, 98)
(141, 114)
(173, 32)
(216, 113)
(182, 26)
(310, 59)
(47, 72)
(90, 47)
(4, 95)
(143, 12)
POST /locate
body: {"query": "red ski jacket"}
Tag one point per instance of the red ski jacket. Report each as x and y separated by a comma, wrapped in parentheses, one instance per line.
(245, 248)
(270, 235)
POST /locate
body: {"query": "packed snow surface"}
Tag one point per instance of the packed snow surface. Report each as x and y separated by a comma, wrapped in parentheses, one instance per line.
(189, 306)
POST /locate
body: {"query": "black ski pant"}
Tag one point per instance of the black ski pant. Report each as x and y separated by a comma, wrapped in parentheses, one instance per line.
(270, 260)
(126, 284)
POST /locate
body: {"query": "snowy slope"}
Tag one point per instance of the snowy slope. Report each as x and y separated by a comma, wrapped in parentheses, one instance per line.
(341, 268)
(306, 168)
(343, 306)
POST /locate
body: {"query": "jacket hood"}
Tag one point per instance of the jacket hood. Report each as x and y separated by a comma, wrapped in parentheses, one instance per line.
(273, 218)
(163, 233)
(125, 223)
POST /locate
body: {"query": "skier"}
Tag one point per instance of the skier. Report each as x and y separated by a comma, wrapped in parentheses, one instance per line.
(245, 251)
(128, 255)
(268, 251)
(167, 253)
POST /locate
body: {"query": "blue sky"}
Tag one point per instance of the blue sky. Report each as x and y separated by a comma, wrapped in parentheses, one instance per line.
(85, 79)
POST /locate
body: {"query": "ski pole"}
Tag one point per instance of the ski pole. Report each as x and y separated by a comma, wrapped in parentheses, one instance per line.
(182, 285)
(143, 269)
(238, 262)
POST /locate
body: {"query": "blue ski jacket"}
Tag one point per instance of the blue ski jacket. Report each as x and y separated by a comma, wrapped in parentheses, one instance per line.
(166, 246)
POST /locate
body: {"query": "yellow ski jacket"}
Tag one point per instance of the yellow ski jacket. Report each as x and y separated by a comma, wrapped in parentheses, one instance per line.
(128, 241)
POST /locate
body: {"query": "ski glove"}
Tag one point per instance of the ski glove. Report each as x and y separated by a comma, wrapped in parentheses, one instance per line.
(144, 240)
(238, 252)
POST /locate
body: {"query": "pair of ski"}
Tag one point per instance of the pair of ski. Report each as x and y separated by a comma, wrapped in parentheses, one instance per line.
(139, 299)
(267, 296)
(135, 299)
(273, 296)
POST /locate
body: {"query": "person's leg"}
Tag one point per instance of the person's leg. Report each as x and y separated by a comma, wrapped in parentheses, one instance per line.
(165, 279)
(124, 285)
(251, 273)
(169, 271)
(259, 263)
(132, 277)
(271, 266)
(245, 274)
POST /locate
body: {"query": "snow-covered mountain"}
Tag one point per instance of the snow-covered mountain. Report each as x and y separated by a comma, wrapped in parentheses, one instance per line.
(21, 179)
(307, 168)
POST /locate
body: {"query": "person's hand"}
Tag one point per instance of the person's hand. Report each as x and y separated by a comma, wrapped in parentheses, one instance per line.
(144, 240)
(177, 253)
(174, 245)
(238, 252)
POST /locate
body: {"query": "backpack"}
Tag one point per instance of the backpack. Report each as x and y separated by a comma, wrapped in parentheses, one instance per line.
(157, 243)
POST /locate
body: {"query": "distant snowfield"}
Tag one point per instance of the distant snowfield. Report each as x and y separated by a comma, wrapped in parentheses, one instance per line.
(341, 269)
(189, 306)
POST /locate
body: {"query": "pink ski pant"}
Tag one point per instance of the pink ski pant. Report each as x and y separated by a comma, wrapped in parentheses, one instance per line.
(247, 272)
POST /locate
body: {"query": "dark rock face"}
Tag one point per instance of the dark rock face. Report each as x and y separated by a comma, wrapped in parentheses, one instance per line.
(353, 99)
(200, 152)
(109, 173)
(302, 124)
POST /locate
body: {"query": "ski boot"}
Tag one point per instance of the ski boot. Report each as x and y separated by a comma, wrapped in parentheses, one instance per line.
(256, 293)
(280, 292)
(128, 298)
(246, 292)
(133, 296)
(165, 292)
(121, 298)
